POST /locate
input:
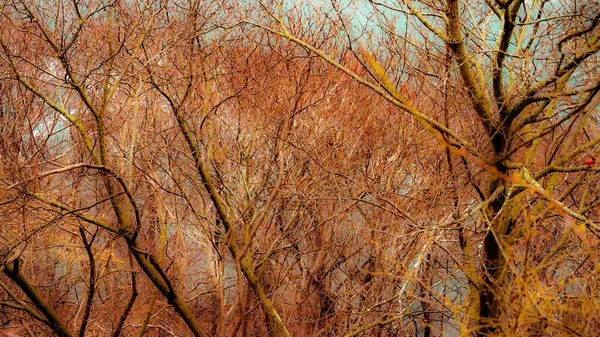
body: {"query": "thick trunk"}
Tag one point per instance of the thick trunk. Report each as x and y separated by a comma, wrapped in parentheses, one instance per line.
(490, 294)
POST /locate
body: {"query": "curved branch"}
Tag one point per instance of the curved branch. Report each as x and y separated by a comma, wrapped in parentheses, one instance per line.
(97, 167)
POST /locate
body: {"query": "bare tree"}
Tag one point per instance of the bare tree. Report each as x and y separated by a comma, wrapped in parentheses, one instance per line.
(340, 168)
(529, 74)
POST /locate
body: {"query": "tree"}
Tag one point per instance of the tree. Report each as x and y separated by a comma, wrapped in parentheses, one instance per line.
(221, 169)
(528, 71)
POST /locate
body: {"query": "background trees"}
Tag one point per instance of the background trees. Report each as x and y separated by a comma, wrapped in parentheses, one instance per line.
(222, 169)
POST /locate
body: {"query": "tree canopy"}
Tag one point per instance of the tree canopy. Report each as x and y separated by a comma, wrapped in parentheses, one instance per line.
(339, 168)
